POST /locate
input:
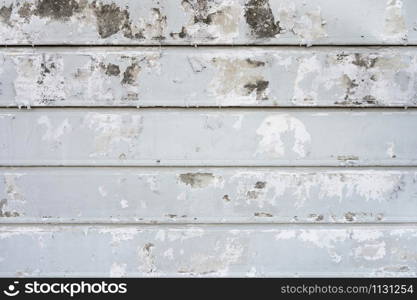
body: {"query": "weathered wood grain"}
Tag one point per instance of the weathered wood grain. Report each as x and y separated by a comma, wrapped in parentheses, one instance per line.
(208, 251)
(208, 137)
(184, 22)
(207, 195)
(178, 76)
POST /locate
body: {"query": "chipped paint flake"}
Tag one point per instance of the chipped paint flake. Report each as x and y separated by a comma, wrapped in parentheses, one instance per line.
(274, 130)
(395, 26)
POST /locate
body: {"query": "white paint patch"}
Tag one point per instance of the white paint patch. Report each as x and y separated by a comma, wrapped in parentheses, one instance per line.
(120, 234)
(371, 251)
(391, 150)
(395, 28)
(285, 235)
(54, 132)
(124, 203)
(324, 238)
(169, 253)
(273, 129)
(113, 132)
(310, 27)
(102, 191)
(238, 124)
(364, 235)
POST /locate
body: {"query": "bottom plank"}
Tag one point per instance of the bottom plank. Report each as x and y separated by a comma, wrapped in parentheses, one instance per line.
(222, 250)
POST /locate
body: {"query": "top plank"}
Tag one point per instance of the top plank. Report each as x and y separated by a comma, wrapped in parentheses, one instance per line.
(203, 22)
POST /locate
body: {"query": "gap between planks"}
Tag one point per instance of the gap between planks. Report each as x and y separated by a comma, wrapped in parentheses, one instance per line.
(263, 225)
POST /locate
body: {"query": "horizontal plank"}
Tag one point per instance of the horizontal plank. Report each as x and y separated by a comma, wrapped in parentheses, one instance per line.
(178, 76)
(208, 251)
(208, 137)
(207, 195)
(207, 22)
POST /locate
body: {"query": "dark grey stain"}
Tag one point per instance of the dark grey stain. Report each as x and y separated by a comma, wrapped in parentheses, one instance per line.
(5, 14)
(259, 86)
(56, 9)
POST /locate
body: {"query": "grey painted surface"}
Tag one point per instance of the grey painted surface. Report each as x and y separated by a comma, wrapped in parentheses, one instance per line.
(221, 76)
(208, 22)
(208, 195)
(225, 137)
(222, 250)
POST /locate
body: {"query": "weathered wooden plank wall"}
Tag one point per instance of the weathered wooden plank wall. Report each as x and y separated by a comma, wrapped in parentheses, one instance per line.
(239, 76)
(208, 195)
(124, 151)
(184, 22)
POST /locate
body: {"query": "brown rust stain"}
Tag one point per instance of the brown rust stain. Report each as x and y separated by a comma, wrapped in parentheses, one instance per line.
(259, 17)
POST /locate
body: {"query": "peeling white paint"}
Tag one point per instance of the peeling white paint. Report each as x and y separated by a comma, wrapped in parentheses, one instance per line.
(275, 127)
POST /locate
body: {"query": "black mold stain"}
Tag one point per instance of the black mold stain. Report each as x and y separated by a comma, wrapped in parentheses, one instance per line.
(260, 185)
(260, 19)
(226, 198)
(7, 214)
(25, 11)
(130, 74)
(364, 61)
(255, 63)
(259, 86)
(5, 14)
(112, 70)
(56, 9)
